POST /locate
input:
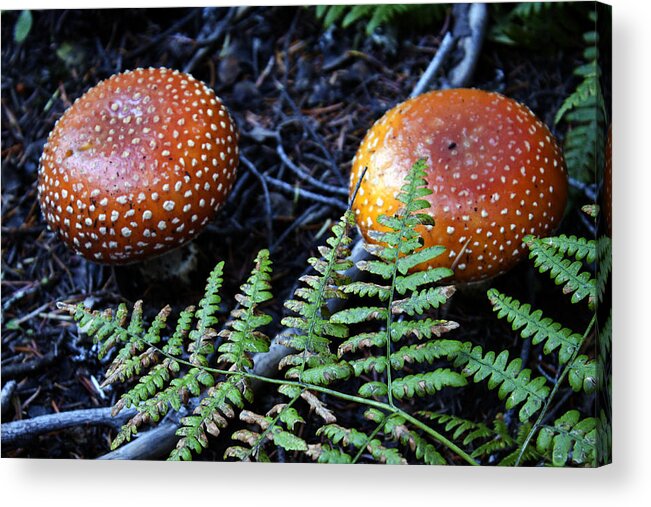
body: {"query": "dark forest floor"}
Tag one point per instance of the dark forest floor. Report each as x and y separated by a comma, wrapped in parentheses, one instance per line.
(294, 89)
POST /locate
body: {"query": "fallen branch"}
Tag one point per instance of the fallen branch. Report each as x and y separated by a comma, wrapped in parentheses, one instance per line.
(470, 25)
(28, 367)
(7, 392)
(151, 444)
(16, 433)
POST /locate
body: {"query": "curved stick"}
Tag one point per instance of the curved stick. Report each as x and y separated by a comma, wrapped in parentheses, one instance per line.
(471, 38)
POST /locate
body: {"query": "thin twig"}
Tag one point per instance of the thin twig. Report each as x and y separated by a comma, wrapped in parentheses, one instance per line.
(310, 215)
(210, 41)
(267, 198)
(306, 194)
(434, 66)
(315, 136)
(307, 177)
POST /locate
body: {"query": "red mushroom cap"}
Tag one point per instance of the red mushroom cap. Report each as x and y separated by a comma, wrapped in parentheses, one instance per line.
(495, 171)
(138, 165)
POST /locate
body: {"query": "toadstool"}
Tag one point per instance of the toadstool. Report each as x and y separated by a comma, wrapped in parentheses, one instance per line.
(138, 165)
(495, 170)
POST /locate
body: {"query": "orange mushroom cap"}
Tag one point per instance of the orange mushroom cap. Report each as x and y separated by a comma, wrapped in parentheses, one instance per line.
(495, 170)
(138, 165)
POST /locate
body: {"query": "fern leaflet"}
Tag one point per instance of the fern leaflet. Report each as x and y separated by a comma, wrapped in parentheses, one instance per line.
(515, 384)
(562, 270)
(570, 438)
(533, 325)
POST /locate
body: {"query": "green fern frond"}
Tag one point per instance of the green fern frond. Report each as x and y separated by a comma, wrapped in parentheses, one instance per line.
(584, 99)
(242, 335)
(459, 427)
(202, 337)
(581, 249)
(325, 374)
(155, 407)
(535, 25)
(358, 440)
(136, 341)
(313, 328)
(414, 281)
(109, 331)
(488, 442)
(562, 270)
(276, 426)
(324, 453)
(243, 338)
(380, 15)
(396, 428)
(426, 352)
(533, 325)
(605, 339)
(604, 438)
(358, 315)
(397, 252)
(604, 264)
(515, 384)
(421, 329)
(570, 438)
(500, 441)
(362, 341)
(584, 111)
(160, 374)
(422, 301)
(210, 417)
(153, 396)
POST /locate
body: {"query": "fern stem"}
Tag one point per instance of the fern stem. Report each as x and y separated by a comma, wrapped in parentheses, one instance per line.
(272, 425)
(553, 392)
(369, 439)
(389, 320)
(317, 306)
(346, 397)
